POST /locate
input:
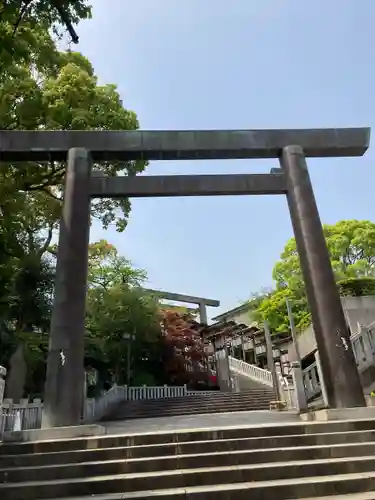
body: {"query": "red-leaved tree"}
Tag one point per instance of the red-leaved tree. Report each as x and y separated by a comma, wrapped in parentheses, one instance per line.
(184, 357)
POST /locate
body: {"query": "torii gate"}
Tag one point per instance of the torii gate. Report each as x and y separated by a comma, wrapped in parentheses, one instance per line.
(190, 299)
(65, 377)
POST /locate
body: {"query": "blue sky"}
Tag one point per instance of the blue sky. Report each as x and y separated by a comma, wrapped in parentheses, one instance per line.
(244, 64)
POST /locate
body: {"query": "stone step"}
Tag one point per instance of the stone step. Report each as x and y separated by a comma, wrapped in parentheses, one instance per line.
(191, 400)
(370, 495)
(271, 481)
(186, 448)
(277, 462)
(164, 463)
(123, 413)
(350, 496)
(316, 488)
(210, 402)
(165, 403)
(214, 396)
(182, 436)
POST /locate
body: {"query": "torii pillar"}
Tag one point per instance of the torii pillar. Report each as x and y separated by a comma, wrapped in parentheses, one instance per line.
(63, 392)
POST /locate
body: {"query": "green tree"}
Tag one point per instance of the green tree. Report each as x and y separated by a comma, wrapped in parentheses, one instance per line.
(65, 97)
(272, 307)
(123, 332)
(43, 88)
(351, 244)
(123, 327)
(26, 27)
(107, 268)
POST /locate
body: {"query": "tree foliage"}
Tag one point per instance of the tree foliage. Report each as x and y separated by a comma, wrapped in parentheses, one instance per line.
(108, 269)
(351, 244)
(44, 88)
(184, 356)
(122, 333)
(26, 25)
(272, 307)
(119, 314)
(65, 96)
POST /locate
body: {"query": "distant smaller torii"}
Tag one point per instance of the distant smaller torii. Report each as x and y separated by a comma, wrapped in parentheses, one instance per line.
(178, 297)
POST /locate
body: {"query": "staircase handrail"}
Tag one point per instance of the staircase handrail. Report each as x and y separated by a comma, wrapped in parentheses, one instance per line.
(363, 345)
(254, 372)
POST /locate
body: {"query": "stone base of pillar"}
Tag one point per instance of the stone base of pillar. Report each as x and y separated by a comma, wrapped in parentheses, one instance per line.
(360, 413)
(54, 433)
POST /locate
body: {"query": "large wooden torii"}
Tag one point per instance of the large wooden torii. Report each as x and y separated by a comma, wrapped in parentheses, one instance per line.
(65, 375)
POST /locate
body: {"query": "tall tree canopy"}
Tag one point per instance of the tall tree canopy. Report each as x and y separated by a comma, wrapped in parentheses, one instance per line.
(351, 244)
(44, 88)
(123, 335)
(26, 25)
(123, 327)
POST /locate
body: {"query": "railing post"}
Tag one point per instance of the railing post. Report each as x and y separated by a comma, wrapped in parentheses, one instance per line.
(3, 373)
(271, 361)
(321, 379)
(299, 387)
(369, 355)
(280, 381)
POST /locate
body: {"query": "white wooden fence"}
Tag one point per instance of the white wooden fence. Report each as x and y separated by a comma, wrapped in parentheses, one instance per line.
(260, 375)
(95, 409)
(28, 415)
(264, 377)
(22, 416)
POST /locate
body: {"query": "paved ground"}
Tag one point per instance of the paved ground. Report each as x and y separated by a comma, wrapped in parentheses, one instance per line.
(210, 421)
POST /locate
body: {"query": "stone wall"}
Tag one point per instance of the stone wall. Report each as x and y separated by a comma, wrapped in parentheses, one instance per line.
(358, 311)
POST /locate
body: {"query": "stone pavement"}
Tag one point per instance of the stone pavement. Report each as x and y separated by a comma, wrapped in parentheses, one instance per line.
(208, 421)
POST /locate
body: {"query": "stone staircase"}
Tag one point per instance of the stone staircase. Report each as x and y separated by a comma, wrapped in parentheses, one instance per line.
(206, 402)
(273, 462)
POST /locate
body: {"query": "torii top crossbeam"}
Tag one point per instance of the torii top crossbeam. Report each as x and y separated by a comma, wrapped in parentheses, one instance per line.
(181, 145)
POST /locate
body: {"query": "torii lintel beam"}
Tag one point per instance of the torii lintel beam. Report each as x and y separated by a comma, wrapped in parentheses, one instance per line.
(178, 297)
(186, 185)
(22, 145)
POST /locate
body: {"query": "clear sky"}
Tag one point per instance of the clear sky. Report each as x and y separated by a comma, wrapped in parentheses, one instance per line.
(239, 64)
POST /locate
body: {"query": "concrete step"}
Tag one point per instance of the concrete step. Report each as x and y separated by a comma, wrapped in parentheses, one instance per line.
(172, 463)
(243, 483)
(165, 403)
(193, 401)
(209, 401)
(186, 448)
(188, 404)
(215, 402)
(213, 396)
(277, 462)
(351, 496)
(125, 413)
(370, 495)
(184, 436)
(273, 490)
